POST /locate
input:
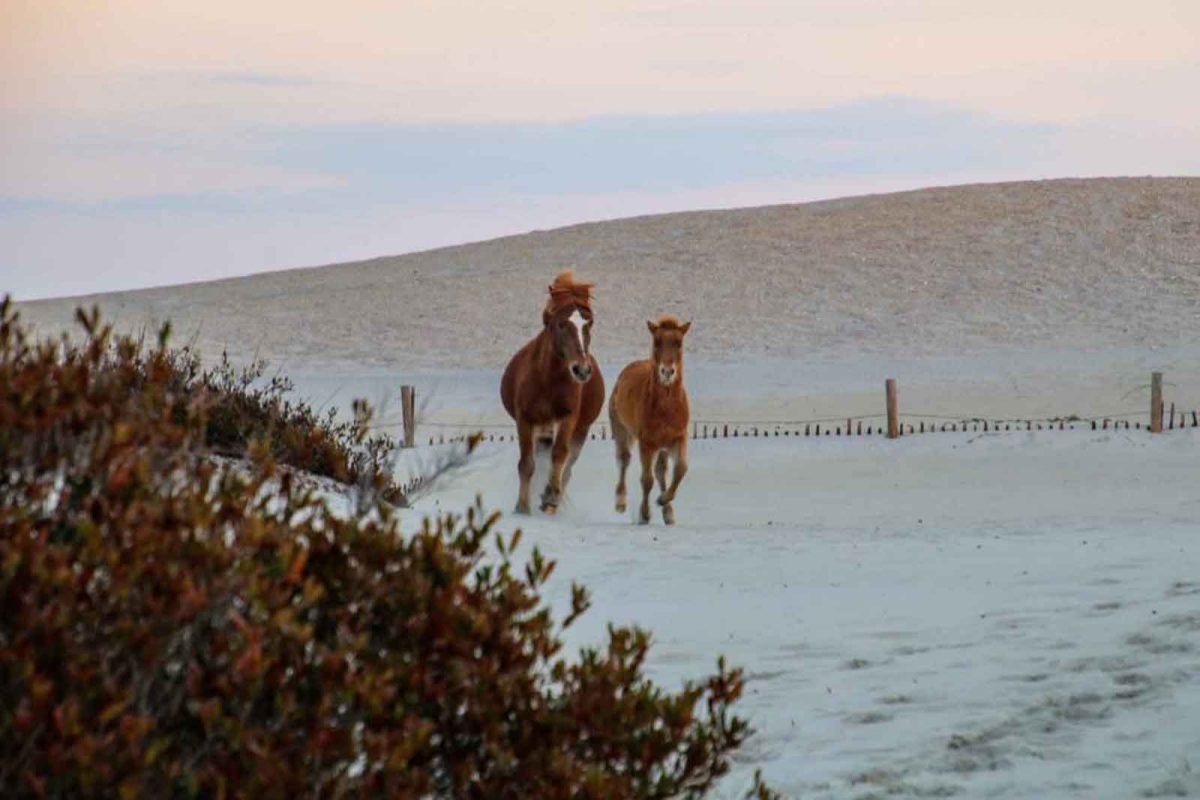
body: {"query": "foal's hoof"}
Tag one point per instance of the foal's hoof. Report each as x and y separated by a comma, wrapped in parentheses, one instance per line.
(669, 514)
(549, 509)
(621, 505)
(522, 508)
(644, 517)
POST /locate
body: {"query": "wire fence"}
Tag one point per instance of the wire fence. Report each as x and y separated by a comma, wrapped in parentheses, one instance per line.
(853, 425)
(891, 423)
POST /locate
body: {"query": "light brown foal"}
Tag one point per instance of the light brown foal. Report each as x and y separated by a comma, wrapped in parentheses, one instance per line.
(650, 405)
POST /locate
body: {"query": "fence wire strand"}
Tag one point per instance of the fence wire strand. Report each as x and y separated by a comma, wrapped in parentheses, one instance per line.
(955, 418)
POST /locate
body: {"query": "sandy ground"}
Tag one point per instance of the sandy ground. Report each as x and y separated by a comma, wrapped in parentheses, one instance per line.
(1080, 265)
(1012, 615)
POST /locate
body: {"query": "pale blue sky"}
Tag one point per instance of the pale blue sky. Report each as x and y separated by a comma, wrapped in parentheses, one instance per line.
(159, 143)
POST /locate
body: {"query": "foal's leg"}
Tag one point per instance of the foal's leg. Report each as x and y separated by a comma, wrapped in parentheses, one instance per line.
(524, 465)
(647, 454)
(660, 471)
(622, 439)
(558, 460)
(667, 498)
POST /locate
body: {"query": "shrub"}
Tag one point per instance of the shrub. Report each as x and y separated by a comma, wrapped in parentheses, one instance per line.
(243, 407)
(173, 626)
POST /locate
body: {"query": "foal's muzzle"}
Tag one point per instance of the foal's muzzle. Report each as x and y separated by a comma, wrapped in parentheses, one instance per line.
(666, 375)
(581, 372)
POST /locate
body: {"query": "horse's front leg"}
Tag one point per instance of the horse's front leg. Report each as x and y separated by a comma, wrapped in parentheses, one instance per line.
(558, 460)
(524, 465)
(621, 439)
(578, 439)
(667, 498)
(647, 454)
(660, 471)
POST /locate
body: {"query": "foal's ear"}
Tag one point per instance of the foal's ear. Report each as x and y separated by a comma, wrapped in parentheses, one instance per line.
(653, 328)
(683, 329)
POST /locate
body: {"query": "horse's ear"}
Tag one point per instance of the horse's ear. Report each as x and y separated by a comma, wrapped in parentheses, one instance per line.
(653, 328)
(683, 329)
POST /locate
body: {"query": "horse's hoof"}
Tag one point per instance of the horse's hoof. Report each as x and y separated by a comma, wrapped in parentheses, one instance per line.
(549, 510)
(669, 515)
(621, 506)
(644, 517)
(522, 508)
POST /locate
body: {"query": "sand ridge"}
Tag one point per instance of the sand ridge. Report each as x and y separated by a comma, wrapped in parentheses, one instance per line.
(1085, 264)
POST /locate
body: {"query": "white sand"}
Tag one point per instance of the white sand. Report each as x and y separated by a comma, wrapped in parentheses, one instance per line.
(1013, 615)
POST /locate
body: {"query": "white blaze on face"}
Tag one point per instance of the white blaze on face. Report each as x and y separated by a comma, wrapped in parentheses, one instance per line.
(576, 319)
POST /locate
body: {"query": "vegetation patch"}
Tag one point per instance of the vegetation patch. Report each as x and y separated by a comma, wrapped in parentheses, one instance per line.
(175, 626)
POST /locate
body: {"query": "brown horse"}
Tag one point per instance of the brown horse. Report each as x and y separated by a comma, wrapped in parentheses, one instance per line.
(553, 387)
(649, 404)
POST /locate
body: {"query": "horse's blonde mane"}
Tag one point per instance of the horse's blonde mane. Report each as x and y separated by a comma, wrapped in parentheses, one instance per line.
(566, 289)
(565, 278)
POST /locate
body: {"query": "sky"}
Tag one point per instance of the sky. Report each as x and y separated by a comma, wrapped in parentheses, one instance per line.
(146, 143)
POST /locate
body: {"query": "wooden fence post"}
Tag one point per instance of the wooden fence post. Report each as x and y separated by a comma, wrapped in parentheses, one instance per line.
(1156, 404)
(408, 407)
(892, 416)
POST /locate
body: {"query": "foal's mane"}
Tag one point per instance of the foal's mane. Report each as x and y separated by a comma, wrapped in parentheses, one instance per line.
(669, 321)
(566, 291)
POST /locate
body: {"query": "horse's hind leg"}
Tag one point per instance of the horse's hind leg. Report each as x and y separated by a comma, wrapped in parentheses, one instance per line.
(524, 465)
(621, 438)
(647, 453)
(667, 498)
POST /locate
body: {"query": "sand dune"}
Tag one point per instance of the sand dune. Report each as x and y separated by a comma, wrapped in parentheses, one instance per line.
(1068, 264)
